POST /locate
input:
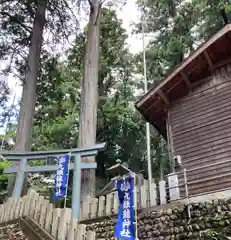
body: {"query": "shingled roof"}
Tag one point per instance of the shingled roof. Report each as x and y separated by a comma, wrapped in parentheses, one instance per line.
(211, 55)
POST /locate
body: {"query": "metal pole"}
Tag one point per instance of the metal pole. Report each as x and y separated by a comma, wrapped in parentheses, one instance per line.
(148, 140)
(135, 206)
(76, 191)
(68, 172)
(19, 179)
(186, 193)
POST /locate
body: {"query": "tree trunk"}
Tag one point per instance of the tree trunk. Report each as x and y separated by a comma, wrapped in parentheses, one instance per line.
(27, 105)
(89, 95)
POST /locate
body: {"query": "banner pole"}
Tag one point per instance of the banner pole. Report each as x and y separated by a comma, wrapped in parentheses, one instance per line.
(65, 199)
(54, 187)
(133, 209)
(135, 206)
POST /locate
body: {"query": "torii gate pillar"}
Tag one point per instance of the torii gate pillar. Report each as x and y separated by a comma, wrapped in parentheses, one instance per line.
(77, 166)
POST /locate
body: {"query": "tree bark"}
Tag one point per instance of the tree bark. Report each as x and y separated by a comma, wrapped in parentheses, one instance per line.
(89, 95)
(27, 105)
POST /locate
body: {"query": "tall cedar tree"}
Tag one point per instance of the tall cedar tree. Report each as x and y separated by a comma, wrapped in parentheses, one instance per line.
(22, 26)
(118, 123)
(27, 105)
(89, 94)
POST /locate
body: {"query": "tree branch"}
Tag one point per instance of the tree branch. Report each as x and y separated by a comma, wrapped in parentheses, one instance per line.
(102, 2)
(69, 8)
(13, 18)
(6, 1)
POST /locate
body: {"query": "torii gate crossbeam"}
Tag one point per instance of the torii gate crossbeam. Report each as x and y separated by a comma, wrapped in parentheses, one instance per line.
(23, 157)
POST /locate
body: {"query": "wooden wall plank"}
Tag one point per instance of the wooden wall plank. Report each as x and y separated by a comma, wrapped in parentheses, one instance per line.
(93, 208)
(81, 232)
(115, 203)
(101, 208)
(27, 203)
(65, 218)
(8, 209)
(17, 208)
(1, 212)
(162, 189)
(72, 231)
(12, 209)
(201, 130)
(42, 218)
(201, 103)
(49, 218)
(55, 222)
(109, 199)
(85, 208)
(143, 196)
(153, 195)
(38, 207)
(91, 235)
(33, 205)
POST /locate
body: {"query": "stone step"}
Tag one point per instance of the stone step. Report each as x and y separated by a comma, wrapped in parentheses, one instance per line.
(37, 230)
(12, 232)
(23, 229)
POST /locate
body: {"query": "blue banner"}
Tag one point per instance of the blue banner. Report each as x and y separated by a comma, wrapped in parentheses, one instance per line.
(125, 228)
(60, 187)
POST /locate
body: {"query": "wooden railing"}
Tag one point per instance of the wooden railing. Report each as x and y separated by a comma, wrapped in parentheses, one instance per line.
(58, 223)
(55, 221)
(108, 205)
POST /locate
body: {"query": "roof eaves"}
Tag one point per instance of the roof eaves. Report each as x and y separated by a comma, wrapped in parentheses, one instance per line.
(147, 119)
(179, 68)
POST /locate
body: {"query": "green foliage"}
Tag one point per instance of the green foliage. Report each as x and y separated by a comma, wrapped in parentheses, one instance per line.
(3, 165)
(211, 235)
(3, 180)
(228, 7)
(58, 88)
(178, 28)
(119, 124)
(10, 133)
(174, 29)
(16, 21)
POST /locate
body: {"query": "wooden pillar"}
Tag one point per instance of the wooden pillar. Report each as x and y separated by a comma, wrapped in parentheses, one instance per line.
(19, 179)
(170, 143)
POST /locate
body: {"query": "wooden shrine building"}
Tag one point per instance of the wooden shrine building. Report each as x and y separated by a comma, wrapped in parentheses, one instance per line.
(191, 108)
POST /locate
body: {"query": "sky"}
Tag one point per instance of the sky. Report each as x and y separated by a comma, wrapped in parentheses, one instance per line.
(129, 15)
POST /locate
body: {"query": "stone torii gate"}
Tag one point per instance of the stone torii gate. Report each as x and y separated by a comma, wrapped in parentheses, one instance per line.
(23, 168)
